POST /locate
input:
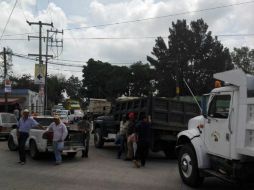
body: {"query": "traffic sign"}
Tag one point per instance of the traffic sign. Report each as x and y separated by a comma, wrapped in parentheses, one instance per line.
(39, 74)
(7, 85)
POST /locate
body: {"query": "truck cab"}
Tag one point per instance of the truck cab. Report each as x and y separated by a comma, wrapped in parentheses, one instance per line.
(220, 142)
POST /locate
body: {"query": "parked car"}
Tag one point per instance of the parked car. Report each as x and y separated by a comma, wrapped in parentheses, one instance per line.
(8, 121)
(64, 116)
(38, 142)
(76, 115)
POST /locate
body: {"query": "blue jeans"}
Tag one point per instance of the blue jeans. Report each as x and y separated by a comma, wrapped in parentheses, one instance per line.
(58, 147)
(121, 145)
(22, 142)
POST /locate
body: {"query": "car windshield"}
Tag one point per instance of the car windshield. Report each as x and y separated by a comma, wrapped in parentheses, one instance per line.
(44, 121)
(8, 118)
(63, 117)
(77, 112)
(61, 112)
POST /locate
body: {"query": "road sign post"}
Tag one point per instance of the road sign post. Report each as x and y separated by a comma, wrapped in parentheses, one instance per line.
(39, 74)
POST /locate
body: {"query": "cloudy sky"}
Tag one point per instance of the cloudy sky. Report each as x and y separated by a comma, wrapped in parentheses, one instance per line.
(123, 43)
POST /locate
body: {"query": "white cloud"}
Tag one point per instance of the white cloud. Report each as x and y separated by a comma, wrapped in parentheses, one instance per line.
(235, 19)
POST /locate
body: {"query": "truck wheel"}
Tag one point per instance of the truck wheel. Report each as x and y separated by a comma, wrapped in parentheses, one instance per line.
(34, 153)
(98, 139)
(11, 145)
(71, 154)
(188, 166)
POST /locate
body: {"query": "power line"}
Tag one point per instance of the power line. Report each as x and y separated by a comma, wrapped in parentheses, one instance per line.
(130, 38)
(52, 63)
(8, 19)
(64, 64)
(68, 60)
(65, 70)
(234, 35)
(151, 18)
(159, 17)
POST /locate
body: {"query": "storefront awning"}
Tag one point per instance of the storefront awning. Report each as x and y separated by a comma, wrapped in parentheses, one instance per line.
(11, 101)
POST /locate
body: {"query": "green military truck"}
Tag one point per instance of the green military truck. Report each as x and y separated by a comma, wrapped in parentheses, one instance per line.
(168, 117)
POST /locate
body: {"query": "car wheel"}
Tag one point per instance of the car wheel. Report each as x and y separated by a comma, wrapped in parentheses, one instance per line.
(188, 166)
(11, 144)
(34, 153)
(98, 139)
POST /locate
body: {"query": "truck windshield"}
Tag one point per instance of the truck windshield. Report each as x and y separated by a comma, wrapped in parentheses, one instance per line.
(219, 106)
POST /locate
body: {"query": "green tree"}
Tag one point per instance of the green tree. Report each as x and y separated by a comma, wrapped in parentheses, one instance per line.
(24, 82)
(73, 86)
(95, 76)
(56, 86)
(192, 54)
(118, 82)
(102, 80)
(243, 58)
(141, 79)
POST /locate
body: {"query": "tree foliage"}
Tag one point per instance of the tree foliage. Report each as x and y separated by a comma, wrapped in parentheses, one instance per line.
(24, 82)
(56, 86)
(243, 58)
(103, 80)
(192, 54)
(73, 87)
(141, 81)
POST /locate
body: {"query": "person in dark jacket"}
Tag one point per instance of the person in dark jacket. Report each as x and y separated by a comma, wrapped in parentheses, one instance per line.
(143, 133)
(85, 126)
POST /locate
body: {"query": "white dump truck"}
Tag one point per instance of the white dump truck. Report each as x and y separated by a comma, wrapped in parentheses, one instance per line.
(220, 142)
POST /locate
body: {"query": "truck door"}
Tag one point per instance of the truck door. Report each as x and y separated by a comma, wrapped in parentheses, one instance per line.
(217, 129)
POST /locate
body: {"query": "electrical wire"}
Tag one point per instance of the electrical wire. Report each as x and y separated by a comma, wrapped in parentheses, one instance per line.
(65, 64)
(8, 20)
(160, 17)
(65, 70)
(50, 62)
(152, 18)
(130, 38)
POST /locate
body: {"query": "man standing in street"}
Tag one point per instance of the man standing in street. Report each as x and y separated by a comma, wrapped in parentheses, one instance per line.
(24, 125)
(60, 132)
(85, 126)
(143, 132)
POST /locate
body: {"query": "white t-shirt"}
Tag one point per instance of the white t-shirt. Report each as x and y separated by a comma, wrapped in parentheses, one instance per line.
(60, 131)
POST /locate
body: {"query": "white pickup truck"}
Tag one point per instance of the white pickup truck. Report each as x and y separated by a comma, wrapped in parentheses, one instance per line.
(37, 142)
(220, 142)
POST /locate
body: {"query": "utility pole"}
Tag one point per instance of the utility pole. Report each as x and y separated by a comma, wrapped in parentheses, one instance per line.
(40, 38)
(5, 74)
(40, 55)
(46, 62)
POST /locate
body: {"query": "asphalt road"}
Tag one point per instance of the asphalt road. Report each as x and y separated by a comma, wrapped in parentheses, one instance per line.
(98, 172)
